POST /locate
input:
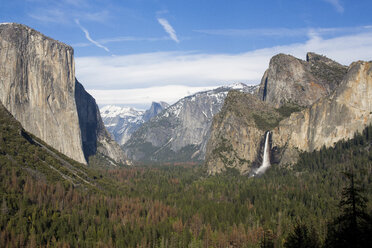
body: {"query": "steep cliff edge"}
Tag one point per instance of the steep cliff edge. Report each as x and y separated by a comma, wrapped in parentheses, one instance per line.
(346, 111)
(345, 107)
(180, 133)
(37, 86)
(238, 132)
(93, 132)
(122, 122)
(289, 79)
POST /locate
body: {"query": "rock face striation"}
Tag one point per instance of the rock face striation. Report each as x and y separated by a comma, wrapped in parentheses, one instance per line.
(346, 111)
(297, 120)
(238, 133)
(180, 133)
(121, 122)
(155, 109)
(289, 79)
(38, 87)
(93, 132)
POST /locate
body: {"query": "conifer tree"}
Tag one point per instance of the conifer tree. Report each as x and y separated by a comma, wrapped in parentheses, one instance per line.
(302, 237)
(353, 227)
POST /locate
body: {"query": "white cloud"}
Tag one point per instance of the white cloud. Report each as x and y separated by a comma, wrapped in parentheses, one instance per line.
(122, 39)
(283, 32)
(87, 35)
(49, 15)
(336, 4)
(144, 96)
(169, 29)
(203, 70)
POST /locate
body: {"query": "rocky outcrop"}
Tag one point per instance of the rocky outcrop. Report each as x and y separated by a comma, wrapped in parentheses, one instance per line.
(237, 135)
(289, 79)
(37, 86)
(122, 122)
(155, 109)
(180, 133)
(93, 132)
(346, 111)
(238, 130)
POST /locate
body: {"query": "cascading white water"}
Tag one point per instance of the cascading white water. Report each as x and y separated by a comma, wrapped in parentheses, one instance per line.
(266, 157)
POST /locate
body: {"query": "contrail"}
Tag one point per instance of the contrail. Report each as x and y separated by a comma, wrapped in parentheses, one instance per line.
(87, 35)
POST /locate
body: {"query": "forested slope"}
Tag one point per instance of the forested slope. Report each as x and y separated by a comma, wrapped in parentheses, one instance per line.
(48, 199)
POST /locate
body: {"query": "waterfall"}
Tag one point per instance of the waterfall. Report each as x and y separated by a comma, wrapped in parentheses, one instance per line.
(266, 157)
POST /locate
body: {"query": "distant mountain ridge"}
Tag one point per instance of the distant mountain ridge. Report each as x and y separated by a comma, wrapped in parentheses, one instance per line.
(121, 122)
(180, 132)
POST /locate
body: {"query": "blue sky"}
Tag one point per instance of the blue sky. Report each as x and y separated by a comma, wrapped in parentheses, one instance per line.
(132, 52)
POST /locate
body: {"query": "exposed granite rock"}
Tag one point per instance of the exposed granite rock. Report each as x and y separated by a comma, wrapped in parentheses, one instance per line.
(122, 122)
(289, 79)
(346, 111)
(155, 109)
(37, 86)
(238, 130)
(238, 133)
(93, 132)
(181, 132)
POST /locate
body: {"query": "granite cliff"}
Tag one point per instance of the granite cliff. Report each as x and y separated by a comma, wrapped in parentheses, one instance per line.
(38, 87)
(37, 84)
(346, 111)
(95, 137)
(289, 79)
(304, 120)
(180, 133)
(122, 122)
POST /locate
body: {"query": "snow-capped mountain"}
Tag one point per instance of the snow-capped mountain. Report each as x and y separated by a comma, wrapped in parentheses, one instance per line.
(181, 132)
(121, 122)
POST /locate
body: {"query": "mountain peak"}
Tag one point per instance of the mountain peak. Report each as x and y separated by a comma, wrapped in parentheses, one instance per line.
(312, 57)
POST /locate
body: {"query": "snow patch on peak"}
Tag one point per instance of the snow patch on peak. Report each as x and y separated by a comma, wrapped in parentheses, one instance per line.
(238, 86)
(111, 111)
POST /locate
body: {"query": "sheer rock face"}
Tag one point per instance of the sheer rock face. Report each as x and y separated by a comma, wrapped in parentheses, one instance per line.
(94, 134)
(155, 109)
(289, 79)
(346, 111)
(181, 132)
(122, 122)
(37, 86)
(236, 140)
(237, 135)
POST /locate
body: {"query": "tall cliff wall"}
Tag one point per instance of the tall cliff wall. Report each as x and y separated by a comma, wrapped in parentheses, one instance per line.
(237, 132)
(181, 132)
(236, 135)
(94, 134)
(346, 111)
(37, 86)
(289, 79)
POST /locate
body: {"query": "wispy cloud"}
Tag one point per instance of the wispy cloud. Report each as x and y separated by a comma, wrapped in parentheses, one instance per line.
(336, 4)
(169, 29)
(52, 15)
(201, 70)
(283, 32)
(122, 39)
(65, 11)
(144, 96)
(87, 35)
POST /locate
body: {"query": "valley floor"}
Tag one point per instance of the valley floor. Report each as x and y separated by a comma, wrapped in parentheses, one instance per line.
(169, 206)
